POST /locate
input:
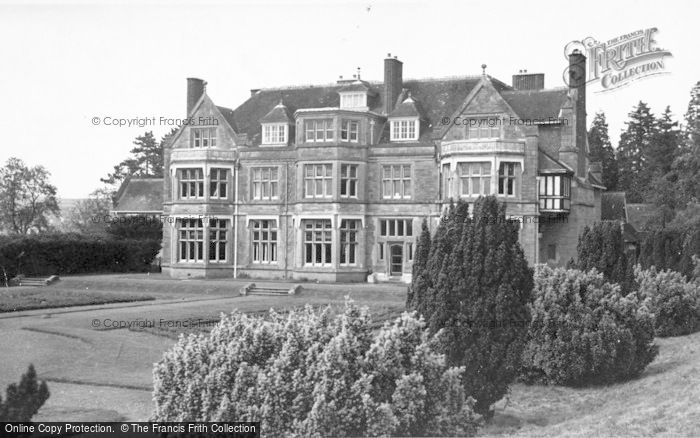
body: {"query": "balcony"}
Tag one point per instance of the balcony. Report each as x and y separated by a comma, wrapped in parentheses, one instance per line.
(202, 154)
(490, 147)
(555, 194)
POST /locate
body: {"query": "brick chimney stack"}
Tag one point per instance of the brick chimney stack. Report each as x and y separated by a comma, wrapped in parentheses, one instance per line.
(577, 81)
(195, 90)
(393, 82)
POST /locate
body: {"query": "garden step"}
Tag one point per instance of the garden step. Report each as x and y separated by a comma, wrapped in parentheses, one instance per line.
(34, 281)
(252, 289)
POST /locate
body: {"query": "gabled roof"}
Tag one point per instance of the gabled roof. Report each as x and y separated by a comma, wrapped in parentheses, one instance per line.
(549, 164)
(140, 195)
(228, 116)
(613, 206)
(356, 85)
(278, 114)
(407, 108)
(536, 104)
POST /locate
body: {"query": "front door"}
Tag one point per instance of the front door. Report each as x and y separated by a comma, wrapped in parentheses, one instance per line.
(396, 265)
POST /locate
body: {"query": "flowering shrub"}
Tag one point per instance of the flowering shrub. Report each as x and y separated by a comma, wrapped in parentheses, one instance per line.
(584, 331)
(675, 301)
(310, 373)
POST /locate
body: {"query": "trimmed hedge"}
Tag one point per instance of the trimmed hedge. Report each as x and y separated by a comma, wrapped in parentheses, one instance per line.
(675, 301)
(670, 249)
(584, 331)
(54, 254)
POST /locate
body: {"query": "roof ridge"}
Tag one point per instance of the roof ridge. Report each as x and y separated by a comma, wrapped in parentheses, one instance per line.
(560, 88)
(372, 82)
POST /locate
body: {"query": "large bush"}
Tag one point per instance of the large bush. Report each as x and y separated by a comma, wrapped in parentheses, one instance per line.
(135, 227)
(675, 301)
(474, 283)
(69, 253)
(584, 331)
(670, 249)
(601, 247)
(312, 374)
(23, 400)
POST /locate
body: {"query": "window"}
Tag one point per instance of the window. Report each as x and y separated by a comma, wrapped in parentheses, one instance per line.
(218, 182)
(380, 246)
(317, 242)
(507, 179)
(348, 241)
(446, 181)
(396, 227)
(396, 181)
(409, 251)
(319, 130)
(353, 100)
(475, 178)
(349, 130)
(265, 183)
(555, 192)
(483, 128)
(218, 239)
(203, 137)
(264, 241)
(274, 133)
(348, 180)
(318, 180)
(404, 129)
(191, 183)
(191, 240)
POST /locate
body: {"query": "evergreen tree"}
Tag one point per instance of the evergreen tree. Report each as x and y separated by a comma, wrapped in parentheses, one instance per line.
(635, 143)
(146, 160)
(601, 150)
(24, 400)
(476, 289)
(420, 263)
(602, 247)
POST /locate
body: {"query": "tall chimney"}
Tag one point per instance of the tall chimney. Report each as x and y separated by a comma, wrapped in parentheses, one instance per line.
(528, 81)
(577, 81)
(195, 89)
(393, 82)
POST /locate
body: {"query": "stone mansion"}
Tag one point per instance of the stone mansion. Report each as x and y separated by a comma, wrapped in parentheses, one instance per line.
(333, 181)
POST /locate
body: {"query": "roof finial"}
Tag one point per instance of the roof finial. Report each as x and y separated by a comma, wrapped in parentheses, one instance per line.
(358, 73)
(483, 69)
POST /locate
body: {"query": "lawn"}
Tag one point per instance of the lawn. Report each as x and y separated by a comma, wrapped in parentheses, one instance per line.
(14, 299)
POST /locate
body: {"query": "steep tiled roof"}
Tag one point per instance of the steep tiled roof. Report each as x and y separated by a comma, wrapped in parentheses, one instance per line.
(436, 98)
(228, 114)
(536, 104)
(613, 206)
(548, 164)
(278, 114)
(140, 195)
(407, 108)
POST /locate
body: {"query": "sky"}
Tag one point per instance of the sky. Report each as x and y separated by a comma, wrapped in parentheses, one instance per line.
(64, 63)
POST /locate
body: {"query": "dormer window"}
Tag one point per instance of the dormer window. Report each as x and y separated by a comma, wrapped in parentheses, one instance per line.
(203, 137)
(404, 129)
(353, 100)
(274, 133)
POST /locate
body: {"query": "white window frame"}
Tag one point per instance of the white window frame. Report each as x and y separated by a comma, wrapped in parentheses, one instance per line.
(404, 129)
(216, 184)
(505, 165)
(349, 180)
(314, 244)
(395, 228)
(312, 180)
(193, 230)
(203, 137)
(405, 183)
(193, 179)
(313, 127)
(218, 236)
(466, 178)
(264, 250)
(349, 242)
(353, 100)
(350, 130)
(274, 133)
(262, 177)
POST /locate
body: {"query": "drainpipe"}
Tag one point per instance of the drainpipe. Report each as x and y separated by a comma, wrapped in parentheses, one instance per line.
(235, 222)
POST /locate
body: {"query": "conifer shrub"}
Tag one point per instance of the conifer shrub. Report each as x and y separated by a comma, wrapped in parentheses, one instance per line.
(23, 400)
(675, 301)
(475, 285)
(585, 331)
(602, 247)
(315, 374)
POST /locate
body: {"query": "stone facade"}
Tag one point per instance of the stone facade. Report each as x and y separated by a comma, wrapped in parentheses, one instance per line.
(332, 182)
